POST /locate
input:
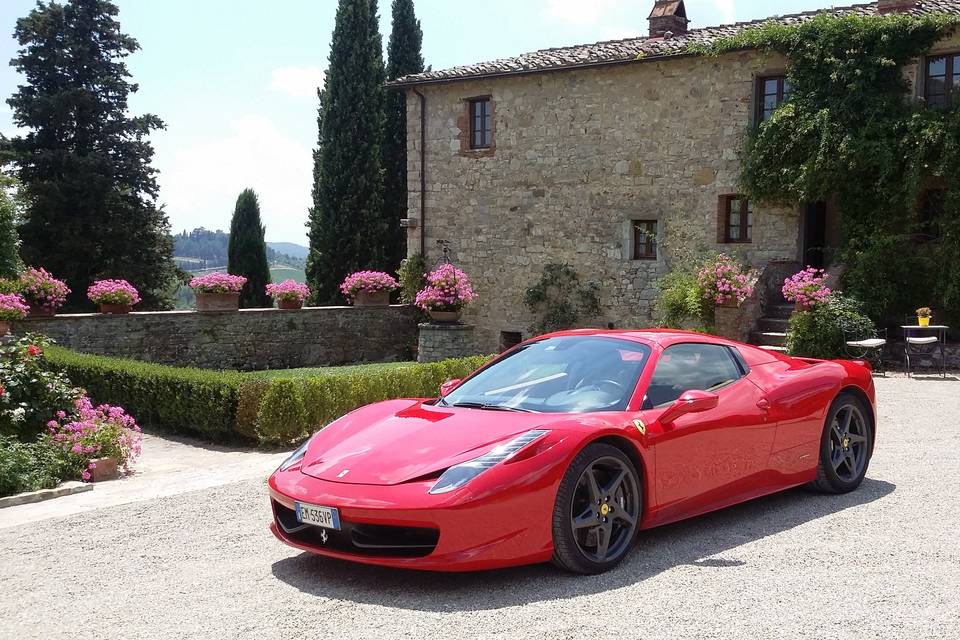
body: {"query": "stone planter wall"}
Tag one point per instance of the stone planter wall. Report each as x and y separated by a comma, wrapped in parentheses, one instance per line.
(249, 339)
(442, 341)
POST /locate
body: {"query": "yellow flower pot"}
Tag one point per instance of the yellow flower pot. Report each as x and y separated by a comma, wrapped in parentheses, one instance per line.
(923, 322)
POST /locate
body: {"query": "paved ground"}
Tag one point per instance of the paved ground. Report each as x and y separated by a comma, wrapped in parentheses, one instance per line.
(883, 562)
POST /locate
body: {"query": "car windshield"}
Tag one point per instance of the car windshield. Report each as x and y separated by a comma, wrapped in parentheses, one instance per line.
(573, 374)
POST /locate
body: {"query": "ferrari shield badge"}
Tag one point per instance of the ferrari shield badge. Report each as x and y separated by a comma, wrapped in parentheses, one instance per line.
(642, 428)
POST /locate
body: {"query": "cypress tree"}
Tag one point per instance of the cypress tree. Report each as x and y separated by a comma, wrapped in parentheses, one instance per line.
(10, 264)
(84, 166)
(346, 226)
(404, 57)
(247, 251)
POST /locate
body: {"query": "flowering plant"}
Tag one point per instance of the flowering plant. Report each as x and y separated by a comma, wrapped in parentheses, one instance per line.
(40, 289)
(448, 289)
(367, 282)
(924, 312)
(102, 431)
(724, 281)
(12, 307)
(113, 292)
(218, 282)
(288, 290)
(806, 288)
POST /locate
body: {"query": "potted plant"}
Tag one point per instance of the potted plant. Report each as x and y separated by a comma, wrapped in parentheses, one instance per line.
(369, 288)
(12, 307)
(923, 316)
(113, 296)
(218, 291)
(99, 440)
(42, 292)
(289, 294)
(725, 282)
(447, 292)
(806, 289)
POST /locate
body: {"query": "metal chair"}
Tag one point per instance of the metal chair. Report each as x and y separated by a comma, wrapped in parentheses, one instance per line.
(864, 345)
(920, 346)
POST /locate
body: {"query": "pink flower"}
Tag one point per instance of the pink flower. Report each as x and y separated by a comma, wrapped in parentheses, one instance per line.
(38, 287)
(288, 290)
(113, 292)
(12, 307)
(448, 289)
(367, 282)
(218, 283)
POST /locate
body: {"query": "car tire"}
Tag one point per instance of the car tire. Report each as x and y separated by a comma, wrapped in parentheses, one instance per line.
(845, 451)
(617, 513)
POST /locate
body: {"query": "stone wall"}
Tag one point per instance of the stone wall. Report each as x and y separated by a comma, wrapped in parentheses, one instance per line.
(442, 341)
(246, 340)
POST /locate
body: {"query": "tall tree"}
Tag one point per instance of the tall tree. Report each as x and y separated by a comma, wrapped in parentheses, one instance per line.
(346, 227)
(85, 163)
(247, 251)
(403, 58)
(10, 264)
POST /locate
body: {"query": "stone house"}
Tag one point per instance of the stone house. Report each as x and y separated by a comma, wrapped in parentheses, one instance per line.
(611, 157)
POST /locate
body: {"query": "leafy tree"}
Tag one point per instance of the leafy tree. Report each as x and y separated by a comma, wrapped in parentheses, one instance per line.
(346, 227)
(247, 251)
(10, 264)
(403, 58)
(85, 163)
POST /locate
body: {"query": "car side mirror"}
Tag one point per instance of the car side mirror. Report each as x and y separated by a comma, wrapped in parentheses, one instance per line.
(449, 386)
(690, 402)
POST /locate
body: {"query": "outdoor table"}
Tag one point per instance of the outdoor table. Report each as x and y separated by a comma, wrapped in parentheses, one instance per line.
(914, 331)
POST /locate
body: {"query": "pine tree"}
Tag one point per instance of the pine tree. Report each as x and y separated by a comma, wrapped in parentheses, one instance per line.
(247, 251)
(85, 164)
(346, 226)
(404, 57)
(10, 264)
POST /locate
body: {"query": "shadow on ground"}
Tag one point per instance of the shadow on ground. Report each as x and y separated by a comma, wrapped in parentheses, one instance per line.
(692, 542)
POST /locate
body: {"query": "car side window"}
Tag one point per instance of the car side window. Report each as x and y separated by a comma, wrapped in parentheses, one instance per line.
(687, 367)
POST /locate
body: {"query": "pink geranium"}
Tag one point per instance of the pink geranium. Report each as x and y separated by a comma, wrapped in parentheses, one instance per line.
(367, 282)
(40, 289)
(12, 307)
(113, 292)
(218, 282)
(725, 281)
(96, 432)
(448, 289)
(806, 288)
(288, 290)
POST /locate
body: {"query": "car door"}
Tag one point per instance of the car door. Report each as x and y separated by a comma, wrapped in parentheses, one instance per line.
(710, 459)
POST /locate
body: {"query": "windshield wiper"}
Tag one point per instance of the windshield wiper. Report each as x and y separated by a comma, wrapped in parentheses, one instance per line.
(490, 407)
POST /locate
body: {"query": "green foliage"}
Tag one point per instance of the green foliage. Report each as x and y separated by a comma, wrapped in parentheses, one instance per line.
(819, 332)
(850, 130)
(404, 57)
(682, 302)
(412, 276)
(346, 222)
(247, 251)
(10, 263)
(559, 300)
(32, 389)
(84, 166)
(283, 414)
(31, 466)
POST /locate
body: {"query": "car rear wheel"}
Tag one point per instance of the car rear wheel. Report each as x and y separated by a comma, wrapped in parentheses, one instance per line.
(845, 446)
(597, 510)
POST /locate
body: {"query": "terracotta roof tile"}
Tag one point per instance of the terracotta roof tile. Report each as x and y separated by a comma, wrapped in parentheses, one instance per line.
(617, 51)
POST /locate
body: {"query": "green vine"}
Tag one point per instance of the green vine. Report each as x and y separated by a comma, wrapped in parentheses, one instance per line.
(851, 131)
(560, 301)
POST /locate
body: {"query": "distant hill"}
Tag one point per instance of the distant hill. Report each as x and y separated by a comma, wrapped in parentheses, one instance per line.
(290, 249)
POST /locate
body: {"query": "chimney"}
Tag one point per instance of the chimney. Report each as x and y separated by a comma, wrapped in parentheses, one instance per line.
(668, 16)
(895, 6)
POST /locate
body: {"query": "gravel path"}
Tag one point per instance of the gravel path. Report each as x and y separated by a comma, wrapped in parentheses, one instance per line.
(883, 562)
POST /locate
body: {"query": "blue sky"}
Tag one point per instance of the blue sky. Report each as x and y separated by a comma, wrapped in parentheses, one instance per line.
(235, 81)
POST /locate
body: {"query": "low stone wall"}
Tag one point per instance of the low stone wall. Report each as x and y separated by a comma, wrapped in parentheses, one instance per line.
(250, 339)
(442, 341)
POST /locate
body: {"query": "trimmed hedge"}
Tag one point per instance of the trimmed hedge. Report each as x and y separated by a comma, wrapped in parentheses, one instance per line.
(226, 406)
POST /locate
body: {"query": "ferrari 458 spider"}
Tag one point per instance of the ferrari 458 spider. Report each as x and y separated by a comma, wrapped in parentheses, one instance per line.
(568, 445)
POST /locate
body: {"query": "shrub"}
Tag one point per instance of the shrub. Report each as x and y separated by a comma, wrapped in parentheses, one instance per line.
(819, 331)
(413, 277)
(31, 466)
(559, 301)
(32, 391)
(113, 292)
(282, 417)
(681, 301)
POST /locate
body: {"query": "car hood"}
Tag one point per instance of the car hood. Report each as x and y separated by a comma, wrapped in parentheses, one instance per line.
(401, 440)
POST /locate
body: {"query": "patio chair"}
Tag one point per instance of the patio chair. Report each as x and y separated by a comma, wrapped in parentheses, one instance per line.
(921, 346)
(864, 345)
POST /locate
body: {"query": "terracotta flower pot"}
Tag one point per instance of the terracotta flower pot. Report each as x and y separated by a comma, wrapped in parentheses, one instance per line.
(377, 299)
(207, 302)
(729, 303)
(42, 312)
(290, 304)
(4, 327)
(104, 469)
(115, 308)
(445, 316)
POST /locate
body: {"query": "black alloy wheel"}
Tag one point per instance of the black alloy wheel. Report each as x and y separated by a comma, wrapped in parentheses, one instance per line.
(845, 447)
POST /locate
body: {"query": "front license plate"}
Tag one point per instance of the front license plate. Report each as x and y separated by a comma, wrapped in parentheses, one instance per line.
(326, 517)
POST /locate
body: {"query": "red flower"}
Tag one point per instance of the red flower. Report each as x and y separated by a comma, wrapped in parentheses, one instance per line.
(33, 350)
(2, 390)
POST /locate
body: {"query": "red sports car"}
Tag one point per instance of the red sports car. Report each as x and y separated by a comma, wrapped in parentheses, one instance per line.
(568, 445)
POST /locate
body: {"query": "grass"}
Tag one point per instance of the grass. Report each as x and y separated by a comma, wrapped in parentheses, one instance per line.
(311, 372)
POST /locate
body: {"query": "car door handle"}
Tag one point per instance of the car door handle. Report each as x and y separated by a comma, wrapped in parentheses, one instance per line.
(763, 404)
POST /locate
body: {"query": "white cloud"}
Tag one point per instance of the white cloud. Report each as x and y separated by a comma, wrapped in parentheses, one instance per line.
(579, 11)
(201, 177)
(298, 82)
(727, 9)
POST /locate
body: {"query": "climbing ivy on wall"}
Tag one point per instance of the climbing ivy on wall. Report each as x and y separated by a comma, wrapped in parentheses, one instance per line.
(852, 131)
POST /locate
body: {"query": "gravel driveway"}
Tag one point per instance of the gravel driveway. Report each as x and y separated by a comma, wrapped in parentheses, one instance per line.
(882, 562)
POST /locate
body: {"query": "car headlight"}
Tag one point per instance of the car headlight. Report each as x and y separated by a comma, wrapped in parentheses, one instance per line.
(459, 475)
(296, 456)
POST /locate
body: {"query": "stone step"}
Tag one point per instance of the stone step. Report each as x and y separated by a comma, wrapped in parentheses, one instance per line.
(769, 338)
(772, 324)
(779, 310)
